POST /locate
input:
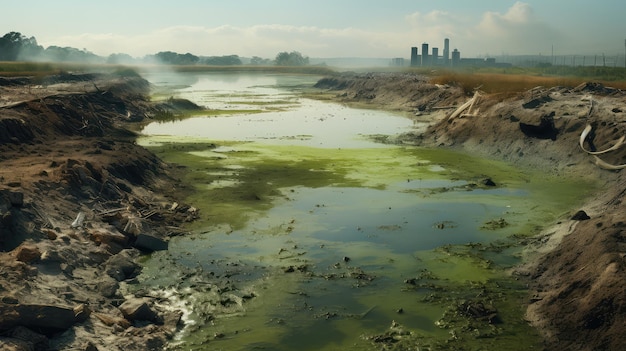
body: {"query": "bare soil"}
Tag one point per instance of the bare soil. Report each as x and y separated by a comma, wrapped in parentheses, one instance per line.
(80, 201)
(576, 268)
(66, 152)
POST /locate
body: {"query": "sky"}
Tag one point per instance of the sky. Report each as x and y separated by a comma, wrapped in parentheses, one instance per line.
(322, 28)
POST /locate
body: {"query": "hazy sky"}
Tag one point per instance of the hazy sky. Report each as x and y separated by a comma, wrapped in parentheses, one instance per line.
(322, 28)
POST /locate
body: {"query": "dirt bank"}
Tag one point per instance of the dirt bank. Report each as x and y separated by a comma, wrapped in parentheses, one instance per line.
(576, 268)
(79, 202)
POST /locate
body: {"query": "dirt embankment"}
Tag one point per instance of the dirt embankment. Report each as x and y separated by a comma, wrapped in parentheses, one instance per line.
(79, 201)
(577, 268)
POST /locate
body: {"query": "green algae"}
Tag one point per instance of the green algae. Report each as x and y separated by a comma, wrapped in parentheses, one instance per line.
(250, 179)
(311, 298)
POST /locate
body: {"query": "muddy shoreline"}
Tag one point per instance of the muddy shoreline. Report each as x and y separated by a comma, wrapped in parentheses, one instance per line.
(576, 267)
(80, 202)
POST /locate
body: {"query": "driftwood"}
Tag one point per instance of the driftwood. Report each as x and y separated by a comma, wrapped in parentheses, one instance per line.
(466, 106)
(598, 161)
(583, 136)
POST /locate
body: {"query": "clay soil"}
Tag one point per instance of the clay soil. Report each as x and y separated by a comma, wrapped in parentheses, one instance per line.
(80, 202)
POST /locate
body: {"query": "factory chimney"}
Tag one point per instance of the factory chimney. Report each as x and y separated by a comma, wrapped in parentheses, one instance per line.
(414, 57)
(425, 57)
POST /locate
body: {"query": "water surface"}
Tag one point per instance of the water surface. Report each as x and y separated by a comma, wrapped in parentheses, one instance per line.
(318, 232)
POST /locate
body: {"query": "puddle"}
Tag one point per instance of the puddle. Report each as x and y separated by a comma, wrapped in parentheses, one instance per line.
(314, 237)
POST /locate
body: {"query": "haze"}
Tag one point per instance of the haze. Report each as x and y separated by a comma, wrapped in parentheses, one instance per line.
(322, 28)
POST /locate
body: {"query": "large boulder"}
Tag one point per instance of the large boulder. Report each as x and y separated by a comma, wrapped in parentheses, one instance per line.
(45, 318)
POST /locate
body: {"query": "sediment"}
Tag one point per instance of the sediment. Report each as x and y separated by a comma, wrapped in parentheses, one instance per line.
(576, 267)
(80, 202)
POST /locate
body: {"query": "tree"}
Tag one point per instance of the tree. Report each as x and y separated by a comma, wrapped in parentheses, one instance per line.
(120, 58)
(293, 58)
(172, 58)
(14, 46)
(228, 60)
(258, 61)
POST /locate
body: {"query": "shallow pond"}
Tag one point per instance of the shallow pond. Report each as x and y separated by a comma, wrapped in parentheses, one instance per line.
(315, 237)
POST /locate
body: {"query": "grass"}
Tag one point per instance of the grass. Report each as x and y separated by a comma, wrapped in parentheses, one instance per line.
(513, 80)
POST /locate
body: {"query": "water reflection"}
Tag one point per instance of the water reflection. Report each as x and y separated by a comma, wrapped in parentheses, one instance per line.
(327, 262)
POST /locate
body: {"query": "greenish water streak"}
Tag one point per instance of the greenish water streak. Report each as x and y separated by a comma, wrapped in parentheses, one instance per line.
(309, 243)
(238, 184)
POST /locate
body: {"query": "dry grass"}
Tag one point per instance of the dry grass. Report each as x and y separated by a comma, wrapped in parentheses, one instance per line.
(493, 83)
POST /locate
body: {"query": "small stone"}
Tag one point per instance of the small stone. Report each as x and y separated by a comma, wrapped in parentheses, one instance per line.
(138, 310)
(27, 253)
(489, 182)
(580, 216)
(50, 234)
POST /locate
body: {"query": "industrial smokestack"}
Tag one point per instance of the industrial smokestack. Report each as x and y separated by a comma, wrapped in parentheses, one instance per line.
(425, 57)
(414, 58)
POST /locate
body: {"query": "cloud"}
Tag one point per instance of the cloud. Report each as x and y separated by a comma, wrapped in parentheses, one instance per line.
(435, 26)
(259, 40)
(517, 31)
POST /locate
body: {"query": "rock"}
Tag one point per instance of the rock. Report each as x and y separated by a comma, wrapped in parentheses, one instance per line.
(489, 182)
(172, 320)
(112, 320)
(138, 310)
(149, 243)
(580, 216)
(9, 299)
(108, 288)
(36, 340)
(121, 266)
(106, 237)
(12, 344)
(45, 318)
(50, 234)
(27, 253)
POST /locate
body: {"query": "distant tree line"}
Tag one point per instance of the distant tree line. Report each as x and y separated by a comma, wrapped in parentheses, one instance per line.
(293, 58)
(15, 46)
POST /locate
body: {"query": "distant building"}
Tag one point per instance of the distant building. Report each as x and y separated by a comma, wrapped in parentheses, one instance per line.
(433, 59)
(414, 57)
(425, 57)
(456, 57)
(398, 62)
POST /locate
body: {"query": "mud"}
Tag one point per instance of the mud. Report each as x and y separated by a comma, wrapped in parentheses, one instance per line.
(574, 268)
(80, 202)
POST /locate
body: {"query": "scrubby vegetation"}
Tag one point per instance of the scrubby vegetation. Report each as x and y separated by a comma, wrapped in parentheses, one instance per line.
(516, 79)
